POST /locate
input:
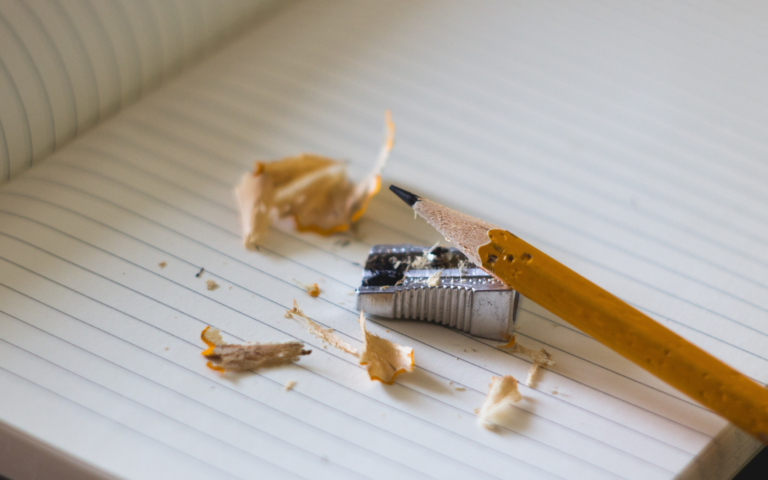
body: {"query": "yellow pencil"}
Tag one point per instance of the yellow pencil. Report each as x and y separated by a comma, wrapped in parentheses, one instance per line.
(602, 315)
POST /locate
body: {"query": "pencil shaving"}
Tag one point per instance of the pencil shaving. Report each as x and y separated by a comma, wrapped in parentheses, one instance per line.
(248, 356)
(501, 392)
(419, 262)
(313, 190)
(422, 260)
(325, 334)
(211, 285)
(384, 359)
(312, 289)
(434, 279)
(289, 385)
(540, 358)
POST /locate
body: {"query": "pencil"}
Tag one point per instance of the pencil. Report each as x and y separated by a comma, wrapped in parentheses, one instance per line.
(603, 316)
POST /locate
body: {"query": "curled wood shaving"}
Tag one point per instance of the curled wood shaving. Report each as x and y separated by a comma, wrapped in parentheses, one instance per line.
(289, 385)
(384, 359)
(501, 392)
(211, 285)
(248, 356)
(540, 358)
(325, 334)
(311, 189)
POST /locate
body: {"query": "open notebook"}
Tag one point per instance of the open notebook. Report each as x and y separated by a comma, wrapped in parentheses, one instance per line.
(625, 140)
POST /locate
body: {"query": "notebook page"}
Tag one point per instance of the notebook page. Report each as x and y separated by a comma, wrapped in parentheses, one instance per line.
(66, 65)
(562, 125)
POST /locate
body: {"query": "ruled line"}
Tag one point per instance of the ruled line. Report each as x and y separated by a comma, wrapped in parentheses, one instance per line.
(433, 92)
(662, 316)
(122, 47)
(289, 284)
(4, 151)
(350, 338)
(487, 140)
(22, 113)
(225, 331)
(63, 74)
(555, 221)
(467, 183)
(318, 49)
(717, 278)
(602, 176)
(27, 58)
(106, 417)
(83, 377)
(98, 25)
(62, 13)
(351, 286)
(187, 397)
(470, 53)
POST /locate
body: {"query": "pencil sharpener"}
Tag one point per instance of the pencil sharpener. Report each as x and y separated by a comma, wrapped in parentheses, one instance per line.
(436, 285)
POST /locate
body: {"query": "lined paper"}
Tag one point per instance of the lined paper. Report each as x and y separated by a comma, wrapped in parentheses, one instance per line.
(66, 65)
(593, 134)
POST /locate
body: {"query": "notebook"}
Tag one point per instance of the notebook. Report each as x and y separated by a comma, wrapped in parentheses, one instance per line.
(626, 140)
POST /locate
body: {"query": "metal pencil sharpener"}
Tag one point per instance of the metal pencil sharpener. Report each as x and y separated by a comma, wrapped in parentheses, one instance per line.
(402, 281)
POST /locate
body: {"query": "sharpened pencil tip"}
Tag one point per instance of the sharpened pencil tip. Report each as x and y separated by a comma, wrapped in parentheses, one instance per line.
(405, 196)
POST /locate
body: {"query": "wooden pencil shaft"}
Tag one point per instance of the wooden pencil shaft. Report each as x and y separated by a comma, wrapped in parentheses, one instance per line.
(605, 317)
(627, 331)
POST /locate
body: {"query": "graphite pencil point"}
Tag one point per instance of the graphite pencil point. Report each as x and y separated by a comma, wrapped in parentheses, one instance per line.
(405, 195)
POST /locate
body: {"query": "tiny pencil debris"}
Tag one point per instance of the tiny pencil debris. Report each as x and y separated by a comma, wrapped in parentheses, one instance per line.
(162, 264)
(289, 385)
(312, 289)
(247, 356)
(313, 190)
(383, 359)
(501, 392)
(325, 334)
(434, 279)
(200, 273)
(211, 285)
(540, 358)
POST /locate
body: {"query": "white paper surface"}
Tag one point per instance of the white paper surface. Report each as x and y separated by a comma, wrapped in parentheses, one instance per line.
(625, 142)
